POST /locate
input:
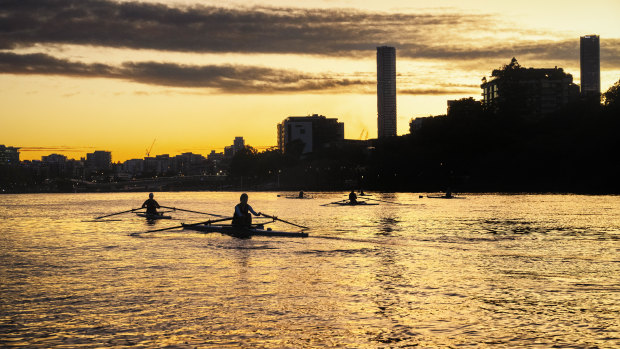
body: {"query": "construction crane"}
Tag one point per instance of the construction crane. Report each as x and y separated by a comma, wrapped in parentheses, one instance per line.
(148, 151)
(364, 134)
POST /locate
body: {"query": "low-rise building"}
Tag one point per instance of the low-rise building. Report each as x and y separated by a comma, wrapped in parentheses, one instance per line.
(9, 155)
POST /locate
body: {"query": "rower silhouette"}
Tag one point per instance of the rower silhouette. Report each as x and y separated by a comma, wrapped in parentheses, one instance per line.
(352, 198)
(151, 205)
(242, 216)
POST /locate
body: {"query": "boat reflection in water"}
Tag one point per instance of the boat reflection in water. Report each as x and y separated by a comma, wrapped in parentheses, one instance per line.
(492, 270)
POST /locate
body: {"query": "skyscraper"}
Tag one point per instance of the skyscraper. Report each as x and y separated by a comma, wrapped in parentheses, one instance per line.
(590, 59)
(386, 91)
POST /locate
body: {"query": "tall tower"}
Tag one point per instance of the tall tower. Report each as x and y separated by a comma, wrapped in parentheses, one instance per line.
(590, 59)
(386, 91)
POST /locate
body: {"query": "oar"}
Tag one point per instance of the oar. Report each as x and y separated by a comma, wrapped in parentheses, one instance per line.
(181, 226)
(389, 202)
(335, 202)
(283, 221)
(114, 214)
(180, 209)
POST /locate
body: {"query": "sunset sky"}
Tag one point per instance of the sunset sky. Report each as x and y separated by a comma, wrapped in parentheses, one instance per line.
(84, 75)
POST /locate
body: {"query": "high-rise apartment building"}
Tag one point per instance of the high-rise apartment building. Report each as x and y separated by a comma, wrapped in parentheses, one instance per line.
(528, 91)
(386, 91)
(314, 132)
(590, 59)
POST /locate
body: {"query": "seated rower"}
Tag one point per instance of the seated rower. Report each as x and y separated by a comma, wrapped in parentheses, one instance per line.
(449, 193)
(242, 216)
(301, 194)
(352, 198)
(151, 205)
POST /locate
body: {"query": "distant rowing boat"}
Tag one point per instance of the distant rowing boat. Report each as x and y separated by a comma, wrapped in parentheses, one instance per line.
(359, 203)
(228, 229)
(153, 216)
(444, 197)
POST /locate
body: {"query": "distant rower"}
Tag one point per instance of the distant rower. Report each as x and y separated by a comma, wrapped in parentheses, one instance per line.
(301, 194)
(242, 216)
(352, 198)
(151, 205)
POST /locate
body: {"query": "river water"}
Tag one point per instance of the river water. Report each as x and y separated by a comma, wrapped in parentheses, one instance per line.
(484, 271)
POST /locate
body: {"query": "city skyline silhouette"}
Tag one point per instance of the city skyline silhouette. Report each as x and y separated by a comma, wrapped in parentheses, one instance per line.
(135, 73)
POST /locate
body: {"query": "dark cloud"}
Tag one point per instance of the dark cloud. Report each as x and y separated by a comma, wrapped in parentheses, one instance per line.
(223, 78)
(565, 50)
(203, 29)
(438, 91)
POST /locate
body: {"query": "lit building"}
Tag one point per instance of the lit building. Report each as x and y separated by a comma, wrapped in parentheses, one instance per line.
(313, 132)
(386, 91)
(590, 61)
(9, 155)
(527, 91)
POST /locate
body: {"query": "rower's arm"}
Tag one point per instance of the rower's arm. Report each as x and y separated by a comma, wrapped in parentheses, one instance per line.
(252, 210)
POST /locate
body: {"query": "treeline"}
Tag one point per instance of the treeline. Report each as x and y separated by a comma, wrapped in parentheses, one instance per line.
(575, 150)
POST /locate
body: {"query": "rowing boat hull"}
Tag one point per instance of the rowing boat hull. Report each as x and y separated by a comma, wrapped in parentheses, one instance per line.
(153, 216)
(237, 231)
(362, 203)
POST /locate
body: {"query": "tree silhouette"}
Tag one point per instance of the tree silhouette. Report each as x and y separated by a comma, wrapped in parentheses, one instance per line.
(611, 98)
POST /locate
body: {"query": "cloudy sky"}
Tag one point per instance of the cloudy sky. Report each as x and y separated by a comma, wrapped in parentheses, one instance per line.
(84, 75)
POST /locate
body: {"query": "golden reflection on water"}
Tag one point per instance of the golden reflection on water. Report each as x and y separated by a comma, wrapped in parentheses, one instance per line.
(508, 270)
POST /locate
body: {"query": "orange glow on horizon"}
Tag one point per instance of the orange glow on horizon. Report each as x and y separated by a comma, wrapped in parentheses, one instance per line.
(123, 114)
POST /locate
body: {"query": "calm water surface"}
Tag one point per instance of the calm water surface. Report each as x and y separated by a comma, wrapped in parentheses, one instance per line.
(485, 271)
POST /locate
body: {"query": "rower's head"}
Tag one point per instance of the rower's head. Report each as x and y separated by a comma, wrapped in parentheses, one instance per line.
(244, 198)
(151, 195)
